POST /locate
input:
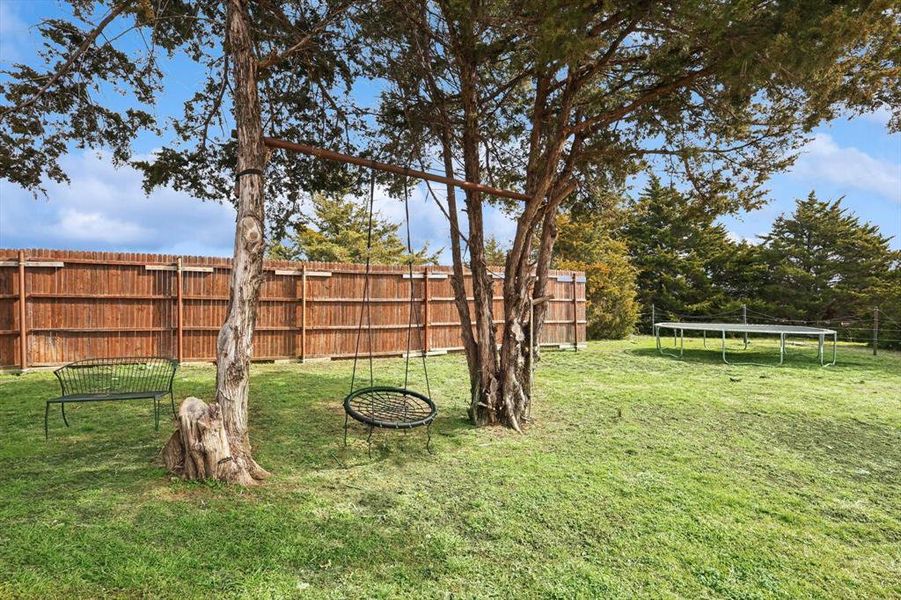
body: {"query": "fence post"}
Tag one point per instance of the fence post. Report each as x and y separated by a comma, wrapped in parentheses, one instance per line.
(744, 319)
(179, 281)
(575, 315)
(303, 312)
(875, 329)
(23, 330)
(426, 343)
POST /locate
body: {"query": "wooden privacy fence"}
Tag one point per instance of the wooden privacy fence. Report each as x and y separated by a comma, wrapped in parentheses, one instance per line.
(58, 306)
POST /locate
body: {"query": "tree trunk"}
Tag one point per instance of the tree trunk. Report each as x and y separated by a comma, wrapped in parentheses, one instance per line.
(499, 375)
(484, 408)
(199, 449)
(225, 443)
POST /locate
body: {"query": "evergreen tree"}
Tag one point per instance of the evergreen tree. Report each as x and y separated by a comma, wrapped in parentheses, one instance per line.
(337, 233)
(680, 252)
(822, 263)
(495, 253)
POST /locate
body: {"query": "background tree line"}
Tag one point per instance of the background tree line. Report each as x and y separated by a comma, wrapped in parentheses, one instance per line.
(819, 264)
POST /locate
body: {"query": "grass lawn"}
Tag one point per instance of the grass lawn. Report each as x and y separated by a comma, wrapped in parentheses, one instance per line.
(640, 476)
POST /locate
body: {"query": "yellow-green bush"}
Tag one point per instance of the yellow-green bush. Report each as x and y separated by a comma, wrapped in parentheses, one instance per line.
(612, 307)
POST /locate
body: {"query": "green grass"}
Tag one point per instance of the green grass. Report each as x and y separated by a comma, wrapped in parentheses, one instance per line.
(641, 476)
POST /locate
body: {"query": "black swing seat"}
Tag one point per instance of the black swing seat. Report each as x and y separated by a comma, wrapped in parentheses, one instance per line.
(390, 407)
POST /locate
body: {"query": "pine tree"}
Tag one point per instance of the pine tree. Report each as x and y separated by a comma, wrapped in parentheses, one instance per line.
(823, 263)
(495, 252)
(337, 233)
(680, 252)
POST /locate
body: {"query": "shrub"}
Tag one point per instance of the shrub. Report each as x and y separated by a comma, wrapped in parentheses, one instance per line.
(612, 307)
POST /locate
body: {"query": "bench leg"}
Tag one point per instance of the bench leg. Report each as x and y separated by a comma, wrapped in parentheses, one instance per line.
(46, 414)
(62, 408)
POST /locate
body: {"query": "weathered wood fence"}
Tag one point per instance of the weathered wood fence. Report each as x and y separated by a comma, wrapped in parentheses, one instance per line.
(59, 306)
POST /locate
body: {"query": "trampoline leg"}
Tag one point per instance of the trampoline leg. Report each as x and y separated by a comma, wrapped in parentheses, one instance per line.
(172, 401)
(62, 408)
(428, 441)
(657, 338)
(369, 442)
(681, 343)
(781, 348)
(345, 430)
(46, 414)
(704, 333)
(724, 348)
(821, 341)
(834, 344)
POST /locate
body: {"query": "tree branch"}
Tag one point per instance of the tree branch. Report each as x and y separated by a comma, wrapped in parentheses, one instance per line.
(649, 96)
(327, 20)
(67, 66)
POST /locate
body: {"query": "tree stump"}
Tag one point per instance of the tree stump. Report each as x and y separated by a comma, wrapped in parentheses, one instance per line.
(200, 449)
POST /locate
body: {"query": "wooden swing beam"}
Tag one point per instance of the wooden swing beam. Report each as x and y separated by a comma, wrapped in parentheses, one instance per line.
(380, 166)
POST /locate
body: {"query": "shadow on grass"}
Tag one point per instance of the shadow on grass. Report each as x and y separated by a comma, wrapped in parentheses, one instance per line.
(796, 358)
(297, 426)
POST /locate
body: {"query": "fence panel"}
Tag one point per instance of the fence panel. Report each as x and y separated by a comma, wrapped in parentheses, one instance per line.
(72, 305)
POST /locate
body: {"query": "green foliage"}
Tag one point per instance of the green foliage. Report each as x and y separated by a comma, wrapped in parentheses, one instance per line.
(822, 262)
(495, 253)
(585, 245)
(106, 50)
(643, 477)
(337, 233)
(681, 254)
(717, 95)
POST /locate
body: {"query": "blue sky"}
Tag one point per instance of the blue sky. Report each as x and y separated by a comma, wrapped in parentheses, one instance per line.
(104, 208)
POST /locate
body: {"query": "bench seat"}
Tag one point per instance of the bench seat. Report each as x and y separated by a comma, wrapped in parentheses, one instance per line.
(104, 380)
(109, 396)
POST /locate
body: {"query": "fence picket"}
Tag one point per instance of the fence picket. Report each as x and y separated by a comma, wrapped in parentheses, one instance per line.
(81, 304)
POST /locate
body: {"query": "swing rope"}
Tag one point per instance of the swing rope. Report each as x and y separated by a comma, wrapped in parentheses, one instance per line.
(425, 369)
(366, 301)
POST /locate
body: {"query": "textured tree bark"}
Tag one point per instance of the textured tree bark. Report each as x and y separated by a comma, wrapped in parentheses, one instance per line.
(499, 372)
(199, 448)
(216, 436)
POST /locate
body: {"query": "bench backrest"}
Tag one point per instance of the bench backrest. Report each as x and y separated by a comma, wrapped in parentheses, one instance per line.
(117, 375)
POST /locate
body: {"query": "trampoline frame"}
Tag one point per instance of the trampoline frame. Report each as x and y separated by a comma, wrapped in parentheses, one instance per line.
(782, 331)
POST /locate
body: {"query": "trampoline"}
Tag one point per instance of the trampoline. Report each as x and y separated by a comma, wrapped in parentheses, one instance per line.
(782, 331)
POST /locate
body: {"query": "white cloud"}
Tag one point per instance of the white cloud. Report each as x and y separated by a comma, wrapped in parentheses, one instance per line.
(881, 116)
(96, 227)
(738, 238)
(104, 208)
(823, 159)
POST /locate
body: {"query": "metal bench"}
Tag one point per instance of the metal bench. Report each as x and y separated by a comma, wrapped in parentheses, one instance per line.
(106, 379)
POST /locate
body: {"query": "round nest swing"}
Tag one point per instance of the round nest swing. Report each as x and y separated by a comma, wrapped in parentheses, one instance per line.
(388, 407)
